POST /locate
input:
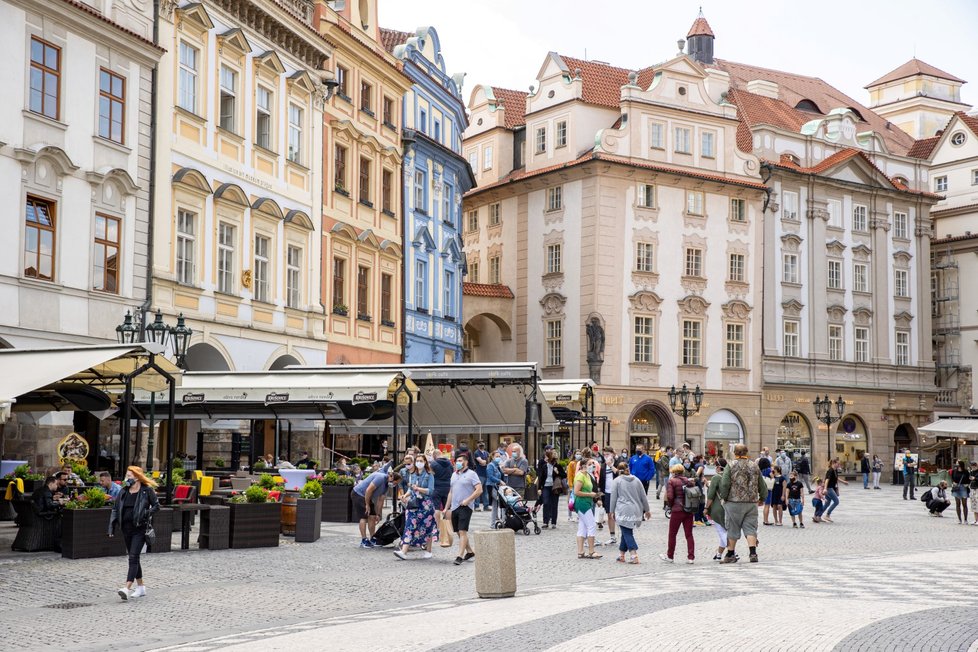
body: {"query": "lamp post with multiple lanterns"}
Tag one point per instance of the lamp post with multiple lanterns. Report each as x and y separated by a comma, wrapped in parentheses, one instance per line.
(679, 402)
(823, 412)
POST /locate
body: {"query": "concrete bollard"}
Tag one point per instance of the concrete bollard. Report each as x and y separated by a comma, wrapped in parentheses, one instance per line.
(495, 563)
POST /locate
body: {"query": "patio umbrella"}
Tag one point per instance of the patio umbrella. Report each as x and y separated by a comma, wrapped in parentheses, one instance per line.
(429, 445)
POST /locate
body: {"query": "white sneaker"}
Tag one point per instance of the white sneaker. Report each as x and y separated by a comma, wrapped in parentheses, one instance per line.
(665, 558)
(399, 554)
(689, 561)
(124, 593)
(612, 541)
(426, 555)
(140, 592)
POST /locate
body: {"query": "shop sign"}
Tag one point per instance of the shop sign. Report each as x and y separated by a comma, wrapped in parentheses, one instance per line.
(563, 398)
(613, 400)
(276, 398)
(364, 397)
(191, 399)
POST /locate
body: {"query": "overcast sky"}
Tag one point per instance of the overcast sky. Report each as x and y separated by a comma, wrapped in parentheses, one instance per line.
(848, 43)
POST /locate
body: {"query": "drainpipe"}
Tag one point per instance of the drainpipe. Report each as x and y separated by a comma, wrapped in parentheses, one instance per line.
(154, 83)
(407, 140)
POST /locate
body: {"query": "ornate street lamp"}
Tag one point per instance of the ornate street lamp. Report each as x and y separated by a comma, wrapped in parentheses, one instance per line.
(180, 337)
(158, 331)
(679, 402)
(127, 332)
(823, 412)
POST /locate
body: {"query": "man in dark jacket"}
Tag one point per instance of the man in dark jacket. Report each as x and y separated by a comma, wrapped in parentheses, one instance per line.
(43, 499)
(804, 469)
(442, 469)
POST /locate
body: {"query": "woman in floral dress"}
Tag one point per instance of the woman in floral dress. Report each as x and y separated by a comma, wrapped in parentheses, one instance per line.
(420, 525)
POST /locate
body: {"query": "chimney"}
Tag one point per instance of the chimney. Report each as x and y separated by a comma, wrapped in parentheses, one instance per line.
(763, 88)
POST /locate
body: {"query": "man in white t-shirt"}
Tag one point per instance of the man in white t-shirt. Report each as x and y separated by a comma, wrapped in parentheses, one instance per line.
(466, 489)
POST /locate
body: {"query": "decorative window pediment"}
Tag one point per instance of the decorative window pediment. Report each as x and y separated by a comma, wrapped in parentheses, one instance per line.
(693, 305)
(235, 39)
(303, 80)
(736, 309)
(269, 207)
(195, 14)
(791, 242)
(835, 248)
(300, 219)
(192, 179)
(836, 313)
(792, 307)
(645, 301)
(422, 238)
(861, 252)
(368, 237)
(553, 304)
(903, 319)
(271, 61)
(231, 192)
(451, 250)
(902, 257)
(863, 316)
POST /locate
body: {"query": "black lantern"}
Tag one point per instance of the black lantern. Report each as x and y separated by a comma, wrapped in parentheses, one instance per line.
(126, 332)
(180, 336)
(158, 331)
(679, 402)
(823, 412)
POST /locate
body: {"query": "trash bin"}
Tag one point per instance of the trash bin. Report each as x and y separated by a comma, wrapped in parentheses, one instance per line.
(495, 563)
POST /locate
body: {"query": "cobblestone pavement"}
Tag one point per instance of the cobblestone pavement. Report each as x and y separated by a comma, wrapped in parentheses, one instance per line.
(881, 577)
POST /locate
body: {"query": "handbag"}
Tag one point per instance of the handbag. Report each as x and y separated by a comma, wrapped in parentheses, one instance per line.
(559, 487)
(413, 502)
(794, 506)
(769, 482)
(150, 534)
(600, 516)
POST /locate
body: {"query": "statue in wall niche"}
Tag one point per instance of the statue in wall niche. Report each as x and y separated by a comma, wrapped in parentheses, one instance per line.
(595, 348)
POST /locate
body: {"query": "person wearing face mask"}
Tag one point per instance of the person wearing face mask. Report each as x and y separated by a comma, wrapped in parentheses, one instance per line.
(606, 477)
(515, 470)
(584, 496)
(494, 475)
(549, 473)
(642, 467)
(133, 511)
(420, 524)
(465, 490)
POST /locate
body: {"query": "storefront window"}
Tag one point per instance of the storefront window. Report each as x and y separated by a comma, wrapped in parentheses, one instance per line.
(850, 443)
(795, 436)
(644, 430)
(721, 434)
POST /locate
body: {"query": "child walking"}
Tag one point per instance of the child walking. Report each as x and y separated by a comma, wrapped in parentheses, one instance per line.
(818, 501)
(779, 496)
(794, 500)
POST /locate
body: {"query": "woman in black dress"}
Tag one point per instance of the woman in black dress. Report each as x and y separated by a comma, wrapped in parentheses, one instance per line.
(779, 496)
(133, 511)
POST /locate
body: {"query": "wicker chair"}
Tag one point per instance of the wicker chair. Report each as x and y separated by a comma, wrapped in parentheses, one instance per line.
(35, 532)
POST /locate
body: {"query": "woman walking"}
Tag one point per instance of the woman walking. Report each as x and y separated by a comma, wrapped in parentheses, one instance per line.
(714, 507)
(832, 481)
(865, 469)
(420, 525)
(584, 496)
(133, 511)
(630, 506)
(549, 475)
(877, 469)
(779, 496)
(676, 499)
(960, 478)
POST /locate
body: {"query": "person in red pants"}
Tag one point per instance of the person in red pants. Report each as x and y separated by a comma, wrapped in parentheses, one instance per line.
(676, 500)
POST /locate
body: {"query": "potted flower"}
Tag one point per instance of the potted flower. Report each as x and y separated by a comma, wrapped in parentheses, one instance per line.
(32, 481)
(340, 309)
(309, 512)
(336, 498)
(85, 526)
(255, 521)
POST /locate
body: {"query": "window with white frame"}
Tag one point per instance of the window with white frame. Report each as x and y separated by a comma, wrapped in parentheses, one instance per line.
(734, 345)
(229, 99)
(940, 184)
(859, 222)
(683, 137)
(295, 133)
(422, 121)
(447, 199)
(472, 222)
(420, 191)
(448, 308)
(790, 267)
(541, 140)
(646, 195)
(835, 275)
(644, 257)
(861, 337)
(187, 78)
(974, 177)
(736, 268)
(263, 117)
(421, 285)
(738, 210)
(694, 202)
(901, 225)
(495, 271)
(186, 261)
(901, 282)
(836, 343)
(487, 157)
(903, 347)
(791, 338)
(560, 138)
(473, 271)
(644, 340)
(262, 279)
(708, 144)
(658, 135)
(554, 262)
(293, 277)
(789, 208)
(860, 277)
(694, 262)
(474, 161)
(554, 342)
(555, 198)
(834, 207)
(692, 344)
(225, 258)
(495, 213)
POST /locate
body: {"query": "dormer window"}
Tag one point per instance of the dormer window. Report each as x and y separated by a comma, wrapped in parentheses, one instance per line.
(808, 105)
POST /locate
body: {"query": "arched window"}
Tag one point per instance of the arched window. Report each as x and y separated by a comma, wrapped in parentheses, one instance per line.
(808, 105)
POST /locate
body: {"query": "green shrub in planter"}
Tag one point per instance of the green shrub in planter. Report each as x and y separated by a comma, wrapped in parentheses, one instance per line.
(266, 481)
(177, 463)
(256, 494)
(345, 480)
(311, 490)
(260, 464)
(331, 478)
(218, 463)
(24, 473)
(82, 471)
(93, 498)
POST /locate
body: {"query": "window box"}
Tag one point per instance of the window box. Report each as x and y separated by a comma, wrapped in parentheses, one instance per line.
(388, 323)
(340, 310)
(341, 190)
(364, 202)
(364, 317)
(389, 213)
(368, 112)
(345, 98)
(390, 125)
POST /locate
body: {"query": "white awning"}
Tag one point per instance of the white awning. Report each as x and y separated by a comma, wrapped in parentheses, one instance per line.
(565, 392)
(952, 427)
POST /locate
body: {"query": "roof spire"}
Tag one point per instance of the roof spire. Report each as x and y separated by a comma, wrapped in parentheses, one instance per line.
(700, 40)
(700, 26)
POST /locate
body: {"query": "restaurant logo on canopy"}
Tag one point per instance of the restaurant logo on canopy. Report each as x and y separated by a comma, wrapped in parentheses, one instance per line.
(190, 399)
(275, 397)
(364, 397)
(563, 398)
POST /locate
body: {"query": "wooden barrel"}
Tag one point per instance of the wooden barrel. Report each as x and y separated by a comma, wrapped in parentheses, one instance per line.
(288, 513)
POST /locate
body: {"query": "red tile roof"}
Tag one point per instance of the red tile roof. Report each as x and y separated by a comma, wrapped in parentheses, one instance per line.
(970, 120)
(601, 82)
(923, 147)
(953, 209)
(912, 68)
(391, 38)
(700, 27)
(953, 238)
(514, 103)
(491, 290)
(95, 12)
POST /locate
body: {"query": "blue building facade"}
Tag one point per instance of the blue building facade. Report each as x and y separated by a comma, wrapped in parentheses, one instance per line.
(436, 176)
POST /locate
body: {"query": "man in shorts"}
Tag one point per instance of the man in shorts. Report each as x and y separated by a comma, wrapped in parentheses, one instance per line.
(742, 489)
(367, 499)
(466, 489)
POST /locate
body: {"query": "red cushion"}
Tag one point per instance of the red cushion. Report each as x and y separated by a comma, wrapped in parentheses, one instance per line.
(182, 492)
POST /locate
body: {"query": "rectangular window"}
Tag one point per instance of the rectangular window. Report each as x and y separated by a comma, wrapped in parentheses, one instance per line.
(708, 148)
(447, 195)
(859, 218)
(901, 283)
(541, 140)
(437, 130)
(902, 347)
(862, 344)
(342, 84)
(229, 89)
(339, 283)
(736, 269)
(339, 167)
(225, 258)
(487, 158)
(363, 292)
(473, 272)
(420, 285)
(901, 226)
(554, 259)
(646, 195)
(692, 342)
(186, 247)
(39, 240)
(422, 121)
(561, 135)
(262, 279)
(683, 145)
(295, 134)
(366, 97)
(789, 211)
(555, 198)
(420, 191)
(974, 177)
(387, 191)
(474, 161)
(386, 299)
(472, 223)
(735, 346)
(834, 206)
(860, 277)
(644, 257)
(658, 135)
(388, 114)
(495, 214)
(187, 78)
(940, 184)
(293, 277)
(790, 268)
(45, 93)
(738, 210)
(835, 274)
(791, 339)
(644, 340)
(106, 254)
(449, 291)
(495, 273)
(554, 342)
(694, 262)
(694, 202)
(836, 351)
(364, 187)
(111, 106)
(263, 117)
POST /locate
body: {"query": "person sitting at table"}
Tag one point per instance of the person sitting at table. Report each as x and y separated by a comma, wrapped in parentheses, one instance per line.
(46, 504)
(341, 467)
(111, 488)
(73, 479)
(61, 491)
(304, 460)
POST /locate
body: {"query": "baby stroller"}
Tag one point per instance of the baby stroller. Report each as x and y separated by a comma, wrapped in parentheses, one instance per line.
(517, 515)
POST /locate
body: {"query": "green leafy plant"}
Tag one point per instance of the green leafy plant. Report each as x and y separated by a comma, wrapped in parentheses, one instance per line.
(331, 478)
(311, 490)
(81, 470)
(177, 463)
(362, 462)
(91, 499)
(256, 494)
(218, 462)
(302, 467)
(260, 464)
(24, 473)
(266, 481)
(345, 480)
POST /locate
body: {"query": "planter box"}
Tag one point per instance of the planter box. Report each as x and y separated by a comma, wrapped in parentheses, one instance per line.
(255, 525)
(84, 534)
(531, 492)
(336, 503)
(163, 526)
(308, 519)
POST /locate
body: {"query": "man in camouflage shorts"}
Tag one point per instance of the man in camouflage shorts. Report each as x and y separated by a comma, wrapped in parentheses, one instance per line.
(742, 490)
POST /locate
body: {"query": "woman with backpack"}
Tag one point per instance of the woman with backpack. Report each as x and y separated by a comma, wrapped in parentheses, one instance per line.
(682, 508)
